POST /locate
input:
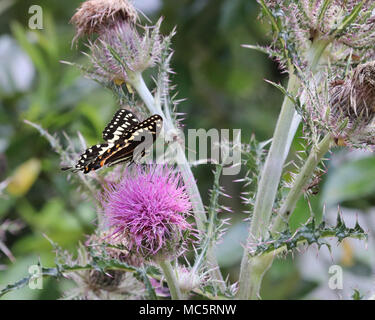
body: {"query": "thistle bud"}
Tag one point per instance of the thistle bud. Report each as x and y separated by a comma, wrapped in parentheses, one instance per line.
(120, 51)
(189, 280)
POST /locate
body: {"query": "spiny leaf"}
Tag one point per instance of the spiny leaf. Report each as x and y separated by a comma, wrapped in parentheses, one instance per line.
(323, 10)
(269, 51)
(253, 158)
(283, 91)
(308, 234)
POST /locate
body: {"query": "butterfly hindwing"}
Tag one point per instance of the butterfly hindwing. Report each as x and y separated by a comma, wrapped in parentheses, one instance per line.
(122, 121)
(134, 142)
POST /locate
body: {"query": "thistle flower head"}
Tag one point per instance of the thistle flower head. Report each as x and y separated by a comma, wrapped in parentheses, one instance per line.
(121, 51)
(148, 210)
(93, 15)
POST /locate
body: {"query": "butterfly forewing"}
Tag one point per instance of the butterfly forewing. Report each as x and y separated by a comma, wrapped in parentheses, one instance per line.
(123, 145)
(122, 121)
(91, 154)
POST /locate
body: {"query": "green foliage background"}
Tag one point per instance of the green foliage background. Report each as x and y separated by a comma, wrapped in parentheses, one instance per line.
(224, 87)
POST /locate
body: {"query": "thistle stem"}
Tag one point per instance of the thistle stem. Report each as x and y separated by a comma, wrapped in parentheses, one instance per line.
(139, 85)
(269, 182)
(271, 174)
(259, 265)
(171, 279)
(136, 80)
(301, 181)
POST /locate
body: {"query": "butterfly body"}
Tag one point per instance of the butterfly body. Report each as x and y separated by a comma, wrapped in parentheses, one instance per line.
(126, 139)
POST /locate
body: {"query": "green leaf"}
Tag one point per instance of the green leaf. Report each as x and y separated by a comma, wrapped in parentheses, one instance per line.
(267, 50)
(308, 234)
(350, 181)
(357, 295)
(323, 10)
(142, 276)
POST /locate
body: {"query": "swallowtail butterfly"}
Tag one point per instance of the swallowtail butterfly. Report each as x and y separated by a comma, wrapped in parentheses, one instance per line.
(123, 134)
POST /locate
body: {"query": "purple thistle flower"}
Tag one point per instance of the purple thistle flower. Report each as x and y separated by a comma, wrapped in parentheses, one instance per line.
(148, 210)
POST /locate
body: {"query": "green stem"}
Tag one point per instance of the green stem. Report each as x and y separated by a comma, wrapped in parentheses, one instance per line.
(300, 182)
(139, 85)
(268, 184)
(171, 279)
(259, 265)
(249, 282)
(271, 174)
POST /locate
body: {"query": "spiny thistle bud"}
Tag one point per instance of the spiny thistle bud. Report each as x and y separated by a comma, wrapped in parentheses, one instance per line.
(93, 15)
(148, 210)
(189, 280)
(121, 52)
(353, 100)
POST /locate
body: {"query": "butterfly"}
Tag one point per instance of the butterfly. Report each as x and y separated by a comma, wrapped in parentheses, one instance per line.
(126, 139)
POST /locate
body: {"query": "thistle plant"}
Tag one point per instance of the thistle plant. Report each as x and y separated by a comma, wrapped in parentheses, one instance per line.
(309, 36)
(149, 215)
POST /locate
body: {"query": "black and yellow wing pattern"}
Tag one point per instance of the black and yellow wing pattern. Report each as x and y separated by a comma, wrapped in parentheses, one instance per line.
(126, 139)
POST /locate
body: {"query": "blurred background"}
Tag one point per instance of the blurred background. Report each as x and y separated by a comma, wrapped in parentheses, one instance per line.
(224, 86)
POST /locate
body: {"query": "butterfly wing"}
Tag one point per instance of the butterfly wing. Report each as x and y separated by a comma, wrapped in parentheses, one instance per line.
(124, 147)
(135, 142)
(122, 121)
(87, 160)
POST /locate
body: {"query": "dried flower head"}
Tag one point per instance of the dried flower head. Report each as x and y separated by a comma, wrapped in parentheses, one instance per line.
(353, 99)
(121, 51)
(94, 15)
(95, 284)
(344, 107)
(148, 211)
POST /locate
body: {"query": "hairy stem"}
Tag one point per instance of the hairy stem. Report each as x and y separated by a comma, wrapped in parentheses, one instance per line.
(300, 182)
(271, 174)
(138, 83)
(259, 265)
(171, 279)
(268, 184)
